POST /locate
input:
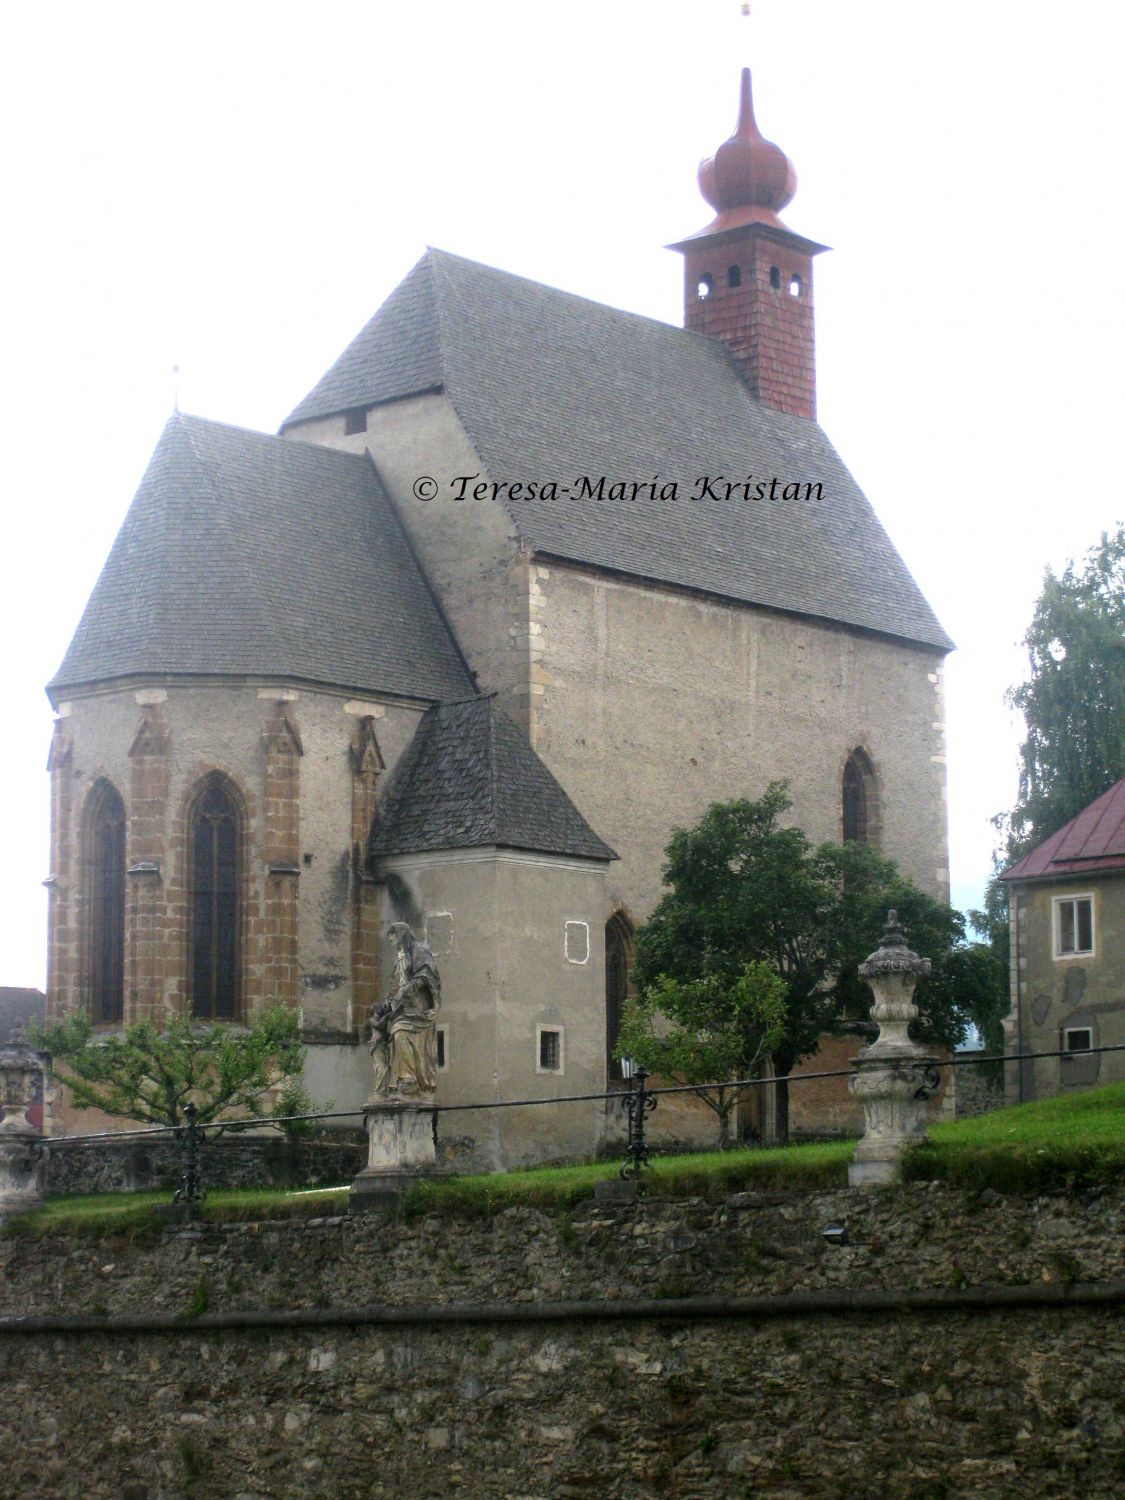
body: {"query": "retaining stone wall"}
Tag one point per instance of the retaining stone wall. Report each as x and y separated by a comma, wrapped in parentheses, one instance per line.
(936, 1407)
(236, 1161)
(975, 1093)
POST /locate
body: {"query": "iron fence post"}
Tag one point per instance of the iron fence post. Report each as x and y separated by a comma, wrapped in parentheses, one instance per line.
(637, 1104)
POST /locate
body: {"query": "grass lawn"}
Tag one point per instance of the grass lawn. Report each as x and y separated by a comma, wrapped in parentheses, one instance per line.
(1071, 1143)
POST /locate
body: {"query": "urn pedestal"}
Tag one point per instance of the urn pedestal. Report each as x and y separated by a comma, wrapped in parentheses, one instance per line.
(400, 1149)
(894, 1076)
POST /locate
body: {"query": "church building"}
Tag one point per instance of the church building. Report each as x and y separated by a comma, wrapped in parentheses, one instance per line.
(523, 584)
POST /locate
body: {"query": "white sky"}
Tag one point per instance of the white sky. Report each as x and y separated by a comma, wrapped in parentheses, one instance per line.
(236, 187)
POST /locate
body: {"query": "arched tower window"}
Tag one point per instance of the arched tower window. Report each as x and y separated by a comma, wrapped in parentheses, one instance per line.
(618, 960)
(215, 844)
(860, 800)
(105, 904)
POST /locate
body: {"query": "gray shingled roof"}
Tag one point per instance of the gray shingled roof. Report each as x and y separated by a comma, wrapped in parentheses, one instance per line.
(551, 386)
(469, 778)
(249, 554)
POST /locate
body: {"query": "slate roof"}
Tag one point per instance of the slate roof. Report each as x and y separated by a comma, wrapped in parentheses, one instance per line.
(1090, 844)
(550, 386)
(249, 554)
(469, 778)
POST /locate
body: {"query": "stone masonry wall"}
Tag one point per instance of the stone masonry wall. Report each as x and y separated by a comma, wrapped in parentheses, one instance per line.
(231, 1162)
(935, 1406)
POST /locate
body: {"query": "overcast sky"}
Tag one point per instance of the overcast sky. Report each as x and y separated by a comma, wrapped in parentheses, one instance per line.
(235, 187)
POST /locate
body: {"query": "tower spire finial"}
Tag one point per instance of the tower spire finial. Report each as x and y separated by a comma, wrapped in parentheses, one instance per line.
(747, 127)
(749, 178)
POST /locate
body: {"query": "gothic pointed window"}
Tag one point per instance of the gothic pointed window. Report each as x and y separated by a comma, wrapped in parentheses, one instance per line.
(215, 836)
(105, 900)
(860, 800)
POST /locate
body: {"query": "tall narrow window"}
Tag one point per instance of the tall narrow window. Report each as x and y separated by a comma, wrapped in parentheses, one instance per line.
(855, 805)
(618, 955)
(1074, 925)
(215, 836)
(860, 801)
(105, 853)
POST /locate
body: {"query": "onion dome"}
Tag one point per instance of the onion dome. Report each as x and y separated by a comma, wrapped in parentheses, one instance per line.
(749, 178)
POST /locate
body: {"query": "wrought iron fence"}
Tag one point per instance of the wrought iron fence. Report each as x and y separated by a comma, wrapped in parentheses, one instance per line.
(637, 1101)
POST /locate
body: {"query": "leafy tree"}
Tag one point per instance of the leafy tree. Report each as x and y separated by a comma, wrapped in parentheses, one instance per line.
(1073, 707)
(991, 1005)
(1073, 703)
(705, 1031)
(149, 1075)
(744, 889)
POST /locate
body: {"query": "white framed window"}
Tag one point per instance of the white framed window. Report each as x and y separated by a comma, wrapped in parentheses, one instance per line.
(549, 1056)
(1074, 925)
(441, 1047)
(1078, 1039)
(576, 942)
(438, 927)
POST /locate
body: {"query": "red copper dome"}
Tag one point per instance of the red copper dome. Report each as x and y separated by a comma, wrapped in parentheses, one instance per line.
(749, 178)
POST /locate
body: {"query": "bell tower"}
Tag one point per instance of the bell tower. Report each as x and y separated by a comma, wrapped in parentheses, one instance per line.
(747, 276)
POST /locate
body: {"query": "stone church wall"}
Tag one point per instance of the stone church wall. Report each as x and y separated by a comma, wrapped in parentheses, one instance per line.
(290, 756)
(518, 939)
(650, 703)
(656, 703)
(467, 548)
(973, 1396)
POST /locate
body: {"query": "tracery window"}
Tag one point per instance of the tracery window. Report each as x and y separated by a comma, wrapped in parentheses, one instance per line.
(215, 837)
(105, 899)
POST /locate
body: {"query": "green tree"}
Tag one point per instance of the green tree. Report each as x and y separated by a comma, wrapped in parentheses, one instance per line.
(705, 1031)
(744, 889)
(149, 1075)
(1073, 702)
(993, 1001)
(1073, 708)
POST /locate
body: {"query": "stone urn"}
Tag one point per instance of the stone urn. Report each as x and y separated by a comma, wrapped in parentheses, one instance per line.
(894, 1076)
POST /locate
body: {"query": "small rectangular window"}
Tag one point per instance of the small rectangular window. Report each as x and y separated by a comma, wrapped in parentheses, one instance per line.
(576, 942)
(442, 1062)
(439, 932)
(355, 421)
(1074, 925)
(550, 1051)
(1078, 1039)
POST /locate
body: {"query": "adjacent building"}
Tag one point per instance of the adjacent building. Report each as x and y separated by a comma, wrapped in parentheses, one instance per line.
(1067, 923)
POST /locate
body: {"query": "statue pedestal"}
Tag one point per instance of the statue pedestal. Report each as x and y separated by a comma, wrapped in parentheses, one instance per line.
(400, 1149)
(893, 1091)
(23, 1155)
(22, 1161)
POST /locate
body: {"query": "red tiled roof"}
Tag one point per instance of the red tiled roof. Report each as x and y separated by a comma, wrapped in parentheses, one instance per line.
(1090, 843)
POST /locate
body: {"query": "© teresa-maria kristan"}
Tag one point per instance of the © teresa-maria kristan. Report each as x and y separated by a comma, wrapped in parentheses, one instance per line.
(588, 487)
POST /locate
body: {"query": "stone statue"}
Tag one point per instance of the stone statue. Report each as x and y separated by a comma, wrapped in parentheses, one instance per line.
(402, 1028)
